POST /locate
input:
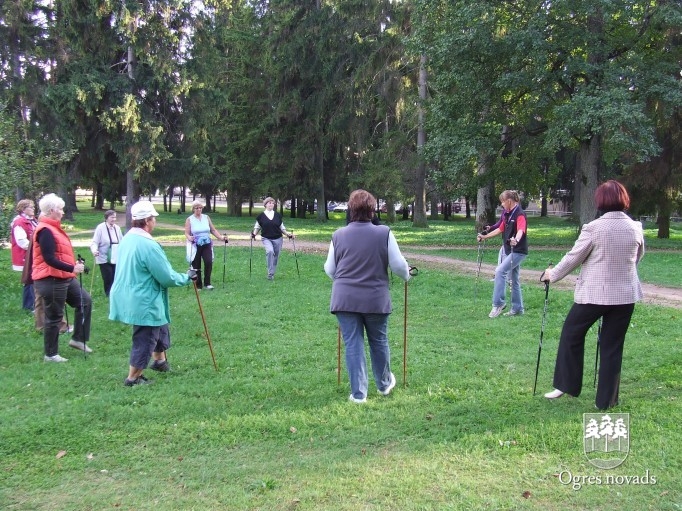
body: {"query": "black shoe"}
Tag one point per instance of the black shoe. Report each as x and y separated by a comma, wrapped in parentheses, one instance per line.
(140, 380)
(160, 365)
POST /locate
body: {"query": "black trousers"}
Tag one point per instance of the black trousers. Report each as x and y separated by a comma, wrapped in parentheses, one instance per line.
(204, 252)
(568, 372)
(108, 272)
(55, 293)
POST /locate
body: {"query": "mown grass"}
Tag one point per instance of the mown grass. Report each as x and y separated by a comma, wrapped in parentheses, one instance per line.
(272, 430)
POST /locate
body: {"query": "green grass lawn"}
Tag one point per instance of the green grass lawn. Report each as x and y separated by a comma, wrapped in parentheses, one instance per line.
(272, 430)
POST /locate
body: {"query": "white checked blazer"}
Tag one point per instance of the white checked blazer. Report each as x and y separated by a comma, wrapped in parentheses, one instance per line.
(609, 249)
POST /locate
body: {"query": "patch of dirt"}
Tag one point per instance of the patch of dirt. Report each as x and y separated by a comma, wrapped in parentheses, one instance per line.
(653, 294)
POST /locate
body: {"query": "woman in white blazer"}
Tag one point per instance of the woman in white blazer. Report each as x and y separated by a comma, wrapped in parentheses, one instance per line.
(608, 251)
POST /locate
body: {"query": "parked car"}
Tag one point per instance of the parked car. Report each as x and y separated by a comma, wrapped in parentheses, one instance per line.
(341, 207)
(331, 205)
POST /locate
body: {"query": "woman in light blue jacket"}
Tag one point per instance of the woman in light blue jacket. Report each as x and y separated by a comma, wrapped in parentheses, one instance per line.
(139, 296)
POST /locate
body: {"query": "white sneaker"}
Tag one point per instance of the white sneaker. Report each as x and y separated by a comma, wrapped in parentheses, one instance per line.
(80, 346)
(356, 400)
(496, 311)
(388, 389)
(210, 287)
(55, 358)
(555, 394)
(69, 330)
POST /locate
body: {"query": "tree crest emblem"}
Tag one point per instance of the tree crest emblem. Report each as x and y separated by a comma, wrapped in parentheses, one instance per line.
(606, 438)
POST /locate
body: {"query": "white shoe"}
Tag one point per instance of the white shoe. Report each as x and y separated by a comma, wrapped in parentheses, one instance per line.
(555, 394)
(356, 400)
(80, 346)
(496, 311)
(55, 358)
(388, 389)
(68, 330)
(210, 287)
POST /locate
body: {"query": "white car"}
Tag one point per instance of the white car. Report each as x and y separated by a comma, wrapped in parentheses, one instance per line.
(341, 207)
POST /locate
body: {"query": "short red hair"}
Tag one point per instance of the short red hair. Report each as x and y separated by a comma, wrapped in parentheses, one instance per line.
(611, 196)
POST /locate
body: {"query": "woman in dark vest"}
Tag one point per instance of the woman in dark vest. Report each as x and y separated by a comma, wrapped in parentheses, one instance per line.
(358, 261)
(513, 229)
(54, 277)
(269, 224)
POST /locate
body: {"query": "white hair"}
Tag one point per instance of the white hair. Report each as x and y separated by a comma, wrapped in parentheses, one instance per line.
(50, 202)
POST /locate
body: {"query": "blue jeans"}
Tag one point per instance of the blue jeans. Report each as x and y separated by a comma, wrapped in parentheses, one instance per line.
(272, 250)
(28, 297)
(510, 263)
(353, 326)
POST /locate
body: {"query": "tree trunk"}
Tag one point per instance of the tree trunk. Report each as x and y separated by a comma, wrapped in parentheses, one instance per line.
(130, 197)
(319, 193)
(588, 177)
(390, 211)
(663, 218)
(434, 208)
(485, 207)
(419, 212)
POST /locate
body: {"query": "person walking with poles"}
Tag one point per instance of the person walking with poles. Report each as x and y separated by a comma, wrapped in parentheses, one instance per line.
(104, 248)
(269, 223)
(513, 228)
(54, 277)
(139, 296)
(608, 251)
(358, 260)
(198, 230)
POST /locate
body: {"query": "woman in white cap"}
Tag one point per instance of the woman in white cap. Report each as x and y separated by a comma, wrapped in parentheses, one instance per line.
(269, 223)
(139, 296)
(198, 230)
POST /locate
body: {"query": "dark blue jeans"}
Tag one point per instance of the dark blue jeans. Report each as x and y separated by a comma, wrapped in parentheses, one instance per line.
(28, 298)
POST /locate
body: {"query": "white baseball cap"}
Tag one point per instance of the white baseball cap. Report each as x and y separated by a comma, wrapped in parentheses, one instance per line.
(142, 209)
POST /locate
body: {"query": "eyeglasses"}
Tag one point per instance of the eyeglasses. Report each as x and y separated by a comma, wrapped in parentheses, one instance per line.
(198, 207)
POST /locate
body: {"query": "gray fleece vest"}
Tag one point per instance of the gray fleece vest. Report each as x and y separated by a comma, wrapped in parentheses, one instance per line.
(361, 278)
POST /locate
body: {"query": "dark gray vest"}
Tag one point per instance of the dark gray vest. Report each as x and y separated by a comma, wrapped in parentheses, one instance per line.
(361, 278)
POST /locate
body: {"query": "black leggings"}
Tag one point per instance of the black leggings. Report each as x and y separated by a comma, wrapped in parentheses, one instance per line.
(204, 252)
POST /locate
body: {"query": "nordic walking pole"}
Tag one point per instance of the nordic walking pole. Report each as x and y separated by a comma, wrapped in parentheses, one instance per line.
(251, 253)
(203, 318)
(92, 280)
(413, 271)
(224, 257)
(542, 328)
(596, 355)
(405, 340)
(511, 269)
(338, 357)
(291, 237)
(80, 283)
(481, 251)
